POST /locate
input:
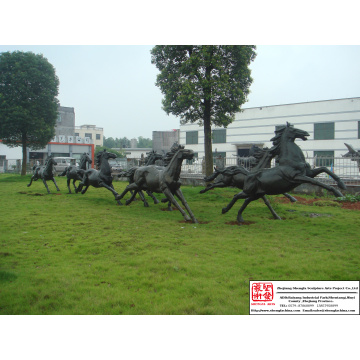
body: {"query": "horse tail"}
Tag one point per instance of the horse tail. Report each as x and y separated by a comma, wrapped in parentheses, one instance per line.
(128, 173)
(64, 172)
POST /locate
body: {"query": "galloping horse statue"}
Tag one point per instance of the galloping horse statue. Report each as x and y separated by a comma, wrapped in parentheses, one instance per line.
(292, 170)
(99, 178)
(45, 172)
(235, 176)
(76, 173)
(150, 159)
(160, 179)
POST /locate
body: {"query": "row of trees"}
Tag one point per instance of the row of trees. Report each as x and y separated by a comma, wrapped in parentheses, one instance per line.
(206, 84)
(126, 143)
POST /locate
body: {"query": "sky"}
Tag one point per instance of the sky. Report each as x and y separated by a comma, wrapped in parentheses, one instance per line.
(113, 87)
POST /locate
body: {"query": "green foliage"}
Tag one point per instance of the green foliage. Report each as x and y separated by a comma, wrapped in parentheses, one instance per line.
(192, 75)
(350, 197)
(119, 154)
(82, 254)
(205, 84)
(327, 203)
(117, 142)
(144, 142)
(28, 103)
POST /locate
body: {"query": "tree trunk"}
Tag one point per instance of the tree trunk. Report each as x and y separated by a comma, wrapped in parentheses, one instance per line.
(24, 155)
(207, 140)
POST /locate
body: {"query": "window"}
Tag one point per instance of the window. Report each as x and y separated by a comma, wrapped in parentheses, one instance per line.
(219, 136)
(324, 131)
(59, 118)
(89, 135)
(192, 137)
(76, 134)
(324, 158)
(98, 137)
(358, 129)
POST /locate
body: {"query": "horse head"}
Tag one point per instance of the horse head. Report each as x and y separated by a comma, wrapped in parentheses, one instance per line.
(86, 157)
(185, 154)
(290, 133)
(50, 161)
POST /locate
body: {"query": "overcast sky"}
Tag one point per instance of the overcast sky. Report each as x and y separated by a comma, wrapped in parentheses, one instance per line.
(114, 86)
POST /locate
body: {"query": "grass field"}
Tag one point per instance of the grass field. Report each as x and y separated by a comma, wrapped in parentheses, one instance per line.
(82, 254)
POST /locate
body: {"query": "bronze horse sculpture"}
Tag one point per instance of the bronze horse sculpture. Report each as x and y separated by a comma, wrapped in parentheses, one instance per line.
(76, 173)
(99, 178)
(150, 159)
(160, 179)
(234, 176)
(45, 173)
(291, 171)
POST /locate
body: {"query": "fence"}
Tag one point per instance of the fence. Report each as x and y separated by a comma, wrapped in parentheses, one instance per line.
(348, 169)
(14, 165)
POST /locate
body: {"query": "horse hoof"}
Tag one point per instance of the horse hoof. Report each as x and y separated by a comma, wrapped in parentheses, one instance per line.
(146, 204)
(223, 211)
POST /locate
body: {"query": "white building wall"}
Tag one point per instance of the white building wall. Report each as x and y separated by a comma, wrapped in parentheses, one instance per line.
(10, 153)
(257, 126)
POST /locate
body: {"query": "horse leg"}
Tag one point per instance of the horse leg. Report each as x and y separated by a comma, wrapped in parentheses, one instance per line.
(180, 195)
(57, 188)
(130, 187)
(171, 198)
(236, 197)
(323, 169)
(85, 190)
(31, 180)
(132, 198)
(112, 189)
(291, 198)
(156, 201)
(219, 184)
(305, 179)
(267, 202)
(68, 185)
(239, 217)
(47, 188)
(73, 185)
(142, 197)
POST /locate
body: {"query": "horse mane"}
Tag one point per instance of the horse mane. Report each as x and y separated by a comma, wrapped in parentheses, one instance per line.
(99, 156)
(170, 154)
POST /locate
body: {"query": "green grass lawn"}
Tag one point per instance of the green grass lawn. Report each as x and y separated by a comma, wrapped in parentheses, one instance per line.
(82, 254)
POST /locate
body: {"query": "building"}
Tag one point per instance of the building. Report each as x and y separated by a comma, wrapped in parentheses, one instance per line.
(65, 124)
(163, 140)
(330, 123)
(91, 134)
(65, 142)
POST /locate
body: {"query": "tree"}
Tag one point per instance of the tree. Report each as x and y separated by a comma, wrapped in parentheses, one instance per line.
(119, 154)
(28, 103)
(109, 142)
(144, 142)
(205, 84)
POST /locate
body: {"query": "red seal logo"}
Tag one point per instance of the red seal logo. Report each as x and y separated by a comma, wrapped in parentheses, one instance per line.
(262, 291)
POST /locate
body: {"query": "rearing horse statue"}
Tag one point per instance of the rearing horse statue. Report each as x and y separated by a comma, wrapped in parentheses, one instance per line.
(45, 173)
(76, 173)
(99, 178)
(292, 171)
(164, 180)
